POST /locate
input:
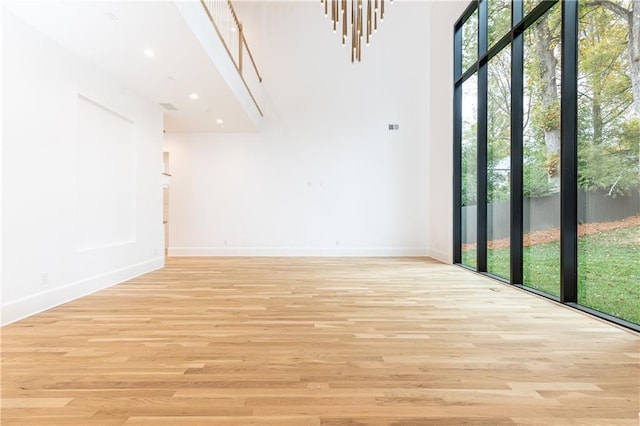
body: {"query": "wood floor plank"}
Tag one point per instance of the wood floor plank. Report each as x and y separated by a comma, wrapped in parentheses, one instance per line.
(225, 421)
(317, 341)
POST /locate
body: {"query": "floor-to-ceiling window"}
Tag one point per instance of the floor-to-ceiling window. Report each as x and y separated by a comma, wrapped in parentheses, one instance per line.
(469, 143)
(469, 171)
(608, 158)
(541, 153)
(498, 162)
(547, 149)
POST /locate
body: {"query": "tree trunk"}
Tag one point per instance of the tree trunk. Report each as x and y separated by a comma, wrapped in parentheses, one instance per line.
(548, 64)
(634, 54)
(596, 111)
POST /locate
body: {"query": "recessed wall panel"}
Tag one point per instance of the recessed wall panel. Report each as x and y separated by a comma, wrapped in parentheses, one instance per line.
(106, 177)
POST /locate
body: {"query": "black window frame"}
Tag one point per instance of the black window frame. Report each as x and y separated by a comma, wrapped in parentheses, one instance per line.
(568, 150)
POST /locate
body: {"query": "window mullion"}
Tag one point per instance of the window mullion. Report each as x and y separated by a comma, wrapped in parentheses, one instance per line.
(457, 147)
(483, 41)
(517, 156)
(569, 155)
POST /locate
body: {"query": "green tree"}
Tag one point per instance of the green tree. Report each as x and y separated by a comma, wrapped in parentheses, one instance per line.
(470, 41)
(546, 37)
(608, 140)
(469, 166)
(499, 17)
(629, 12)
(499, 127)
(542, 105)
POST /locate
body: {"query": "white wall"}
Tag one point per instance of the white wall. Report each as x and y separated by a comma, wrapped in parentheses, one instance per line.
(46, 258)
(325, 176)
(445, 14)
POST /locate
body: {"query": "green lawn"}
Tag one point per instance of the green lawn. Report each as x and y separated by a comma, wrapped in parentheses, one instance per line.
(608, 270)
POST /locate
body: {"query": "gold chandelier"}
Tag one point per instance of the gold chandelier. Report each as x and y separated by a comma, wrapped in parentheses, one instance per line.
(359, 31)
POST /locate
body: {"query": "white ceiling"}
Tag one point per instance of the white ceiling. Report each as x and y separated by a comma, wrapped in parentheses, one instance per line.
(113, 36)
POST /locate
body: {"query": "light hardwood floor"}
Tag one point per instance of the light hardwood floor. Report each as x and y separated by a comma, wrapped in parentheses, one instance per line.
(273, 341)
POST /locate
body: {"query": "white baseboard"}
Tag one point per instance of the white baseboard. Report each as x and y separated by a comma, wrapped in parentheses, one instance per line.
(440, 255)
(297, 252)
(31, 305)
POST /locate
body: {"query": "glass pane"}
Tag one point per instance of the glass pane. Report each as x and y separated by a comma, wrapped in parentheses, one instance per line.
(499, 163)
(499, 19)
(470, 41)
(608, 165)
(529, 5)
(469, 170)
(541, 145)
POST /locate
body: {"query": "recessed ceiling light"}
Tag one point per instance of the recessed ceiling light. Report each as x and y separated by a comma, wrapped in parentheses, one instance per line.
(149, 53)
(194, 96)
(220, 121)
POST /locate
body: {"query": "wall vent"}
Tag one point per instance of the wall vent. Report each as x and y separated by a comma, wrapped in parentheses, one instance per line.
(168, 106)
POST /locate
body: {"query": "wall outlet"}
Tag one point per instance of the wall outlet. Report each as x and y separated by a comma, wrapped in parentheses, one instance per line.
(44, 279)
(225, 242)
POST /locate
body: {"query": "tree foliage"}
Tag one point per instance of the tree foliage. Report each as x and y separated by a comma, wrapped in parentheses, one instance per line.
(608, 143)
(608, 101)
